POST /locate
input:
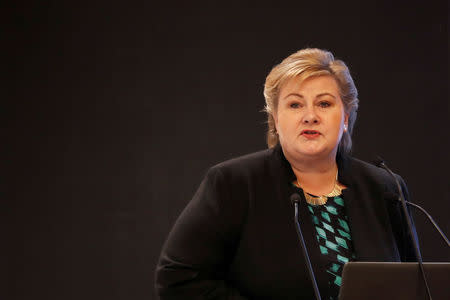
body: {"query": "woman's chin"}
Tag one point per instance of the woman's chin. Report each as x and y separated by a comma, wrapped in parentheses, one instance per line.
(307, 151)
(312, 153)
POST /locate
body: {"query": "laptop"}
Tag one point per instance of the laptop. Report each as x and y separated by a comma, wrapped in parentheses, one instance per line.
(390, 280)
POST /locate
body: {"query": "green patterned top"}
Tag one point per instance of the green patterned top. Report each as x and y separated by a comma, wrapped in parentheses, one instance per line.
(334, 241)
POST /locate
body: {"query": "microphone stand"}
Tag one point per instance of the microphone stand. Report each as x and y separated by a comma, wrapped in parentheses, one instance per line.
(410, 227)
(295, 198)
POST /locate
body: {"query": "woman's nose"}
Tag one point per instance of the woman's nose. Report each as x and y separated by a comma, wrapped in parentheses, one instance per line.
(310, 116)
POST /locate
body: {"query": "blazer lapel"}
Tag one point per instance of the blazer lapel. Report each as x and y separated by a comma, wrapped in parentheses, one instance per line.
(305, 220)
(368, 219)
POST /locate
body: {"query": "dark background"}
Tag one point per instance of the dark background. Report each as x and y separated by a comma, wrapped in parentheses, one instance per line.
(117, 111)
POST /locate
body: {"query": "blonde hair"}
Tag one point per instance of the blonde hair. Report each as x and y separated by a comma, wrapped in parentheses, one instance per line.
(307, 63)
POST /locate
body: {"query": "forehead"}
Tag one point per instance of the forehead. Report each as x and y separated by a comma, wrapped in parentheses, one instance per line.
(311, 85)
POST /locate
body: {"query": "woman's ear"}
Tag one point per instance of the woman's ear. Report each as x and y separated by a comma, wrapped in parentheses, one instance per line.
(346, 122)
(275, 120)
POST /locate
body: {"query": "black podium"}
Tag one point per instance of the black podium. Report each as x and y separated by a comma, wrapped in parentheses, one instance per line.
(384, 280)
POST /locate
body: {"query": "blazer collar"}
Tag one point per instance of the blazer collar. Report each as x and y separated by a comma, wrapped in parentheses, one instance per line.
(343, 162)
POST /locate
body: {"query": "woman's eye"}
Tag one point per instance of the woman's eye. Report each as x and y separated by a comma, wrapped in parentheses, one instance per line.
(294, 105)
(324, 104)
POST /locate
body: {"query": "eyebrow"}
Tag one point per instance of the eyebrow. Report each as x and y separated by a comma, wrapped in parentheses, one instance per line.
(319, 95)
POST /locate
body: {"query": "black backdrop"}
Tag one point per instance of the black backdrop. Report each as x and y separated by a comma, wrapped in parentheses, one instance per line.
(119, 109)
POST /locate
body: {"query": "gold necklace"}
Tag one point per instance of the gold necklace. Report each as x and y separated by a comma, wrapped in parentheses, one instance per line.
(320, 200)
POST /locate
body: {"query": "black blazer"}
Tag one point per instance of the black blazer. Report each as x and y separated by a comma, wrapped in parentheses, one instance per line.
(236, 239)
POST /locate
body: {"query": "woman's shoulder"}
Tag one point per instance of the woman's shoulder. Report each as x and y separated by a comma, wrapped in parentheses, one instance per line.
(358, 165)
(249, 162)
(258, 165)
(362, 170)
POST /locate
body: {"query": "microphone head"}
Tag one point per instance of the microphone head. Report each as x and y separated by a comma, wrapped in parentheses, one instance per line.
(379, 162)
(295, 198)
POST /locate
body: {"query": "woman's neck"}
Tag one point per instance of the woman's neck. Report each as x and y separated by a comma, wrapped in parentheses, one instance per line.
(316, 177)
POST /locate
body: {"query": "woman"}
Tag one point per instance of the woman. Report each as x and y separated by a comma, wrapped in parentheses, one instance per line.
(236, 238)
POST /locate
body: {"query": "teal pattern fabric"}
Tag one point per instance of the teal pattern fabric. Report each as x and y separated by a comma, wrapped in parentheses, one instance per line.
(334, 241)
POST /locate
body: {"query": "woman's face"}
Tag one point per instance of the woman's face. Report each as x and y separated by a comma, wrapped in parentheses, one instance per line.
(310, 118)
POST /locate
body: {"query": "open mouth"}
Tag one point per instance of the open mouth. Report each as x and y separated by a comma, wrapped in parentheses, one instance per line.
(310, 133)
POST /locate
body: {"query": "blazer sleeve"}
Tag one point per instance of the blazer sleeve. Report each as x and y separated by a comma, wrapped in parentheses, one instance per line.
(194, 259)
(400, 226)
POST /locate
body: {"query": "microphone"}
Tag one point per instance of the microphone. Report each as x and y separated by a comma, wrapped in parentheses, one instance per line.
(380, 163)
(295, 199)
(436, 226)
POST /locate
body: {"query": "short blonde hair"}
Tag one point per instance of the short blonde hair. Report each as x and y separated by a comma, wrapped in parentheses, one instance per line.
(306, 63)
